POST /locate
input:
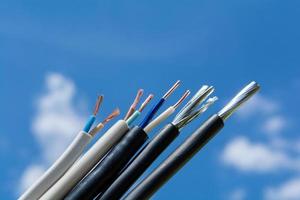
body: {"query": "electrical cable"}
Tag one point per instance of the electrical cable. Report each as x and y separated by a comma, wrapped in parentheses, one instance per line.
(156, 107)
(146, 157)
(95, 153)
(137, 113)
(92, 118)
(109, 168)
(176, 160)
(163, 116)
(64, 162)
(134, 104)
(86, 162)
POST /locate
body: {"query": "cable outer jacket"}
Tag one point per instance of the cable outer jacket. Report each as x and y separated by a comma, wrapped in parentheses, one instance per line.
(109, 168)
(139, 165)
(87, 162)
(176, 160)
(60, 166)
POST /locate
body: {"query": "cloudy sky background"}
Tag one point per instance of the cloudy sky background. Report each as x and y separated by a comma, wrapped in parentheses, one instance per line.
(55, 57)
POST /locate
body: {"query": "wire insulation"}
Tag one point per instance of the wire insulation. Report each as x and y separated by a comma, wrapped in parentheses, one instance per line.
(86, 162)
(108, 169)
(140, 163)
(176, 160)
(60, 166)
(154, 110)
(163, 116)
(92, 118)
(101, 125)
(137, 113)
(134, 104)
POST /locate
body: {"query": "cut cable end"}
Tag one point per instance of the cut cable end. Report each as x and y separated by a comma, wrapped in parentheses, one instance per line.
(114, 114)
(146, 102)
(97, 105)
(134, 104)
(184, 96)
(171, 90)
(246, 93)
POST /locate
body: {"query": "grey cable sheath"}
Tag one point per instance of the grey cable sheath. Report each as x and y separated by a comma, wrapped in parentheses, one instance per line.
(60, 166)
(87, 162)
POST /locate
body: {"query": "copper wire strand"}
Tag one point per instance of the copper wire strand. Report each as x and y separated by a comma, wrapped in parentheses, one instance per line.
(184, 96)
(97, 105)
(134, 104)
(145, 103)
(171, 90)
(115, 113)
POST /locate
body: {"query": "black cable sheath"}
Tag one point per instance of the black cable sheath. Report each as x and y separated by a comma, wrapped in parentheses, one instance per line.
(140, 163)
(176, 160)
(109, 168)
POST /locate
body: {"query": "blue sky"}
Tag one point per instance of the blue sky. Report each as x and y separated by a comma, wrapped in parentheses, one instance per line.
(55, 57)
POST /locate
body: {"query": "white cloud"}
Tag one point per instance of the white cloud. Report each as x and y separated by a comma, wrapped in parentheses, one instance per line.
(289, 190)
(54, 125)
(244, 155)
(30, 175)
(238, 194)
(57, 120)
(274, 124)
(258, 104)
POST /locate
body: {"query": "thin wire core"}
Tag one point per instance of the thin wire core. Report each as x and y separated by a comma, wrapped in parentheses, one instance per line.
(134, 104)
(171, 90)
(115, 113)
(184, 96)
(145, 103)
(99, 126)
(97, 105)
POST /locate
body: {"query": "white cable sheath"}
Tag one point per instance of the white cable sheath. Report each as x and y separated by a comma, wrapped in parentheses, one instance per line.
(163, 116)
(60, 166)
(87, 162)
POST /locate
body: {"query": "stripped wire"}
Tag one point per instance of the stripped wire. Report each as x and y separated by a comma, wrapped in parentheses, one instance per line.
(171, 90)
(180, 124)
(145, 103)
(238, 100)
(134, 104)
(92, 118)
(97, 105)
(156, 107)
(99, 126)
(197, 99)
(188, 113)
(184, 96)
(137, 113)
(164, 115)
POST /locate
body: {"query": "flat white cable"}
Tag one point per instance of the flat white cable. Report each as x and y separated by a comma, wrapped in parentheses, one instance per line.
(65, 161)
(163, 116)
(86, 162)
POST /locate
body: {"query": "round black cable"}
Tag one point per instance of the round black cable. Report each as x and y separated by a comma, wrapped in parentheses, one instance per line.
(110, 166)
(176, 160)
(151, 151)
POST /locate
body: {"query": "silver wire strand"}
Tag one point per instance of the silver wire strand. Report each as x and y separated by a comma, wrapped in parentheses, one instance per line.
(197, 99)
(248, 91)
(184, 121)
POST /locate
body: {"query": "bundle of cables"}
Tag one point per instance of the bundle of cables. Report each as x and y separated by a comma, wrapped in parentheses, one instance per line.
(110, 167)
